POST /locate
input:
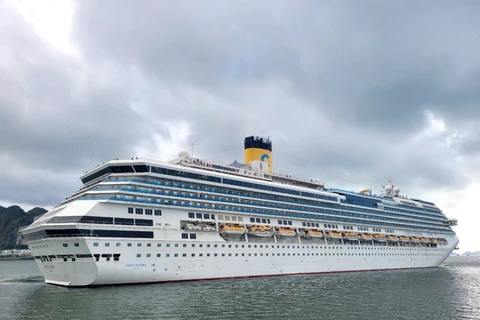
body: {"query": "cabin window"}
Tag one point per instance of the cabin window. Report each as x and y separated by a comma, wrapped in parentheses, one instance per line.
(199, 216)
(148, 212)
(158, 212)
(279, 221)
(206, 216)
(191, 215)
(184, 235)
(130, 210)
(138, 211)
(212, 216)
(193, 236)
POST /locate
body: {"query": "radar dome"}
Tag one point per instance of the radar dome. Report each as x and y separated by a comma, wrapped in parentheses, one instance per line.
(396, 190)
(183, 154)
(388, 188)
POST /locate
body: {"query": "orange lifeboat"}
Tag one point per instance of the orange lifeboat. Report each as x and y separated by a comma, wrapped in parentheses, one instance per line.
(312, 233)
(233, 229)
(351, 236)
(366, 236)
(286, 232)
(392, 238)
(380, 237)
(334, 234)
(260, 231)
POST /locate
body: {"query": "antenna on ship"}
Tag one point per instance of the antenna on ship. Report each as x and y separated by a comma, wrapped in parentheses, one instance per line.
(191, 153)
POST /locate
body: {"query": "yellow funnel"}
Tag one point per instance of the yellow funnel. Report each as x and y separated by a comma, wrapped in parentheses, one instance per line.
(257, 148)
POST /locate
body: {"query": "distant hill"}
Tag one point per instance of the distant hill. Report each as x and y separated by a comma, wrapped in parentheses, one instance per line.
(454, 254)
(470, 253)
(11, 219)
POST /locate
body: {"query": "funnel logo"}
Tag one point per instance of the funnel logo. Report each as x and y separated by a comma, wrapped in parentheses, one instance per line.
(264, 156)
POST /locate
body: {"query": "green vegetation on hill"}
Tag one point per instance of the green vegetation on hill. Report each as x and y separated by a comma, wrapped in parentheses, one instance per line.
(11, 219)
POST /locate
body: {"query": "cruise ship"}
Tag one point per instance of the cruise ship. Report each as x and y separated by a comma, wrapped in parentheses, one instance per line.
(146, 221)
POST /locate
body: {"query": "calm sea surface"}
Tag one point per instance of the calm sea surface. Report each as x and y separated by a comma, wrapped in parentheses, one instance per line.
(451, 291)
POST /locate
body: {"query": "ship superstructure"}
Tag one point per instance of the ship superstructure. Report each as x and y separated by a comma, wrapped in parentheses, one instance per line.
(139, 220)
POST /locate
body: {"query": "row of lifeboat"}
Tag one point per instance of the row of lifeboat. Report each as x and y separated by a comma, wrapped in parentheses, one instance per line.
(268, 231)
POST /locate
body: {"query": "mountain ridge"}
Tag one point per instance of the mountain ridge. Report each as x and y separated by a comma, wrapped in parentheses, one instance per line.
(11, 220)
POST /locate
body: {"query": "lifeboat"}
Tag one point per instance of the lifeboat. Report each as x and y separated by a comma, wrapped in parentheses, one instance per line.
(425, 240)
(392, 238)
(415, 239)
(351, 236)
(380, 237)
(403, 239)
(285, 232)
(260, 231)
(366, 236)
(334, 235)
(434, 241)
(313, 234)
(232, 229)
(442, 241)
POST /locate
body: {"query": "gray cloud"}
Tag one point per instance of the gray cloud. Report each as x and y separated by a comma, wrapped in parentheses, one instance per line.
(343, 89)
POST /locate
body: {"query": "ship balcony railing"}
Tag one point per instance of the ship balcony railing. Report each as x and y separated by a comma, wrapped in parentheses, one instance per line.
(213, 189)
(323, 218)
(378, 216)
(183, 186)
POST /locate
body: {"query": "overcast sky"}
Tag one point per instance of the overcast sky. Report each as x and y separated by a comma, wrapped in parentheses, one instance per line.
(350, 92)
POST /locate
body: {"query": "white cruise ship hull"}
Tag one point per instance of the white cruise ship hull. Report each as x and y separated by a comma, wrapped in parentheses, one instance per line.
(231, 262)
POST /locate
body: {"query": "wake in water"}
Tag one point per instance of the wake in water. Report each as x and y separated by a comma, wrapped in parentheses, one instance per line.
(21, 279)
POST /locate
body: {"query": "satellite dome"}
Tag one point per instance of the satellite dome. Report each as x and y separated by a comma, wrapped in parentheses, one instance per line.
(388, 188)
(396, 190)
(183, 154)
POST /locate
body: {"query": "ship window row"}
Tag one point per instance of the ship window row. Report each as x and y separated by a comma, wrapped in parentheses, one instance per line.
(411, 211)
(186, 235)
(361, 201)
(107, 256)
(285, 222)
(56, 233)
(406, 214)
(230, 218)
(362, 229)
(278, 254)
(278, 246)
(319, 216)
(347, 227)
(376, 230)
(207, 216)
(148, 212)
(260, 220)
(245, 194)
(312, 224)
(377, 215)
(102, 220)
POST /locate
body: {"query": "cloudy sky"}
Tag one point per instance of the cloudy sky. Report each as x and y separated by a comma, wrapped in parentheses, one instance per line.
(351, 92)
